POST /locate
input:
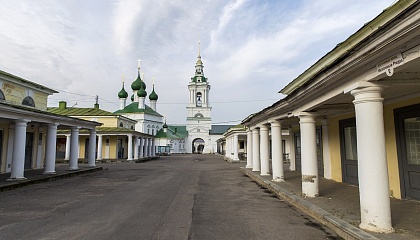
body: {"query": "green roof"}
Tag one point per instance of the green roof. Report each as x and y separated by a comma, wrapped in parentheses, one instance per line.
(71, 111)
(104, 130)
(134, 108)
(203, 79)
(173, 132)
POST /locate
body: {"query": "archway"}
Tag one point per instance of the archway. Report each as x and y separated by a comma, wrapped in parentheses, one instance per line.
(198, 145)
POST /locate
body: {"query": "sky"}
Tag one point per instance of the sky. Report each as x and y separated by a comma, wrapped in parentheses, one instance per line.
(250, 49)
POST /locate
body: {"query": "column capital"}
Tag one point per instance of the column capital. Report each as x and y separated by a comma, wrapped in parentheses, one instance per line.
(21, 121)
(52, 125)
(306, 117)
(275, 123)
(263, 127)
(92, 130)
(367, 94)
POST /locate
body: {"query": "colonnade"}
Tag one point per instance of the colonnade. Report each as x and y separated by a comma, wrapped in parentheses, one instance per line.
(19, 144)
(371, 154)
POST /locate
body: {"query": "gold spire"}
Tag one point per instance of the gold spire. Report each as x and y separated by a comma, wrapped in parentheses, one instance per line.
(199, 55)
(138, 64)
(123, 78)
(153, 81)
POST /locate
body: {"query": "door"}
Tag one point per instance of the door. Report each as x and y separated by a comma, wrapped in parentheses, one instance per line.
(407, 127)
(120, 149)
(298, 158)
(348, 147)
(28, 150)
(86, 148)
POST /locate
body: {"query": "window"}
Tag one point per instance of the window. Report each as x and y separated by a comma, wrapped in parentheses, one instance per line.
(198, 115)
(2, 96)
(28, 101)
(121, 124)
(198, 98)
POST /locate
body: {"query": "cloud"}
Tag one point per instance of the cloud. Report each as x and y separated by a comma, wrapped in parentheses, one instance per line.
(250, 49)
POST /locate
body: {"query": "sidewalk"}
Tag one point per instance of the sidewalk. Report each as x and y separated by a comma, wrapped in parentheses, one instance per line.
(338, 207)
(37, 176)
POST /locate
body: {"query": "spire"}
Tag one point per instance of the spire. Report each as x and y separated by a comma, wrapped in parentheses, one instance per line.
(199, 55)
(136, 84)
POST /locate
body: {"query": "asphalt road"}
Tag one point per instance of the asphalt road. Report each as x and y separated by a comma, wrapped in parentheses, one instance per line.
(175, 197)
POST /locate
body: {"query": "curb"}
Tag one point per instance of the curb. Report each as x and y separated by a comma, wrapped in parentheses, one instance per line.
(47, 178)
(340, 227)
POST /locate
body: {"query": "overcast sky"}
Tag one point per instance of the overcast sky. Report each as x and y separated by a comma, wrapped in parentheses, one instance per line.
(250, 48)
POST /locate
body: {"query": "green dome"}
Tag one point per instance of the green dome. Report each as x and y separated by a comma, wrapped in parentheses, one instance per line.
(132, 98)
(141, 92)
(123, 93)
(138, 83)
(153, 95)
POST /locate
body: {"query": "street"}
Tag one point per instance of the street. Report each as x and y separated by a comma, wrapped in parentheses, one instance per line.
(175, 197)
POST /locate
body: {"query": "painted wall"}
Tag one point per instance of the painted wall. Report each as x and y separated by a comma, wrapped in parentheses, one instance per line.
(15, 93)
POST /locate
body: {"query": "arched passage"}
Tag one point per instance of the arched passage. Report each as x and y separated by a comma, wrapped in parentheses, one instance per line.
(198, 145)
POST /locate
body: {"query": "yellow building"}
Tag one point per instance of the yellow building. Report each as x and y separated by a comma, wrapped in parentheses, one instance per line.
(27, 130)
(116, 138)
(354, 117)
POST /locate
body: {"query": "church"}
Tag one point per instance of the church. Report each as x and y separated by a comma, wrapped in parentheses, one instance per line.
(149, 121)
(198, 135)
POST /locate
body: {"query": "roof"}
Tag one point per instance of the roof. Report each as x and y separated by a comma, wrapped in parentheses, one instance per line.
(33, 112)
(173, 132)
(219, 129)
(71, 111)
(350, 43)
(36, 85)
(134, 108)
(108, 130)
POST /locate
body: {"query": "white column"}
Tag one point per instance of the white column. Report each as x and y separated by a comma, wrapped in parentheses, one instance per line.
(153, 147)
(141, 147)
(136, 148)
(264, 151)
(99, 147)
(277, 152)
(19, 142)
(326, 150)
(146, 147)
(67, 154)
(150, 147)
(249, 148)
(235, 147)
(130, 147)
(92, 148)
(74, 148)
(50, 151)
(256, 150)
(372, 164)
(308, 154)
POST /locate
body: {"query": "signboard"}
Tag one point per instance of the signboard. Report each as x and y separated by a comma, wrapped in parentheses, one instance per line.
(389, 65)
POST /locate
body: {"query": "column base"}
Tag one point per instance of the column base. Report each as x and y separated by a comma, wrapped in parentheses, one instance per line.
(256, 170)
(72, 169)
(373, 228)
(277, 179)
(91, 166)
(248, 166)
(264, 174)
(49, 172)
(16, 179)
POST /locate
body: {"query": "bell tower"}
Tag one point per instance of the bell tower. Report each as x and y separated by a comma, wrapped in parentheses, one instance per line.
(198, 109)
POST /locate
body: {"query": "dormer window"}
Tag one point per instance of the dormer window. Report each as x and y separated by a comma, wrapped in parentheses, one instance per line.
(28, 101)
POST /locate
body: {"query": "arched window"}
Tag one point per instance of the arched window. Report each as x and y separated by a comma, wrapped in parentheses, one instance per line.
(198, 99)
(132, 127)
(198, 115)
(121, 124)
(2, 96)
(28, 101)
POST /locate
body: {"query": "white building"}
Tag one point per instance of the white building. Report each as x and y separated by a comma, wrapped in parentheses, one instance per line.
(201, 135)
